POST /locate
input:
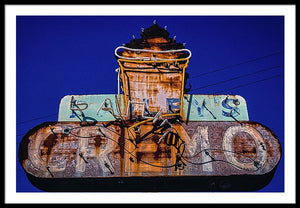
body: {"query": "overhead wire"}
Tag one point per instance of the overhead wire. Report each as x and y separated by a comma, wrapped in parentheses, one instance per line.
(191, 77)
(250, 83)
(231, 66)
(38, 118)
(234, 78)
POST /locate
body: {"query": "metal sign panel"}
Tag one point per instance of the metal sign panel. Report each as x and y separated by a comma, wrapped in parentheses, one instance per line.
(68, 150)
(195, 107)
(214, 108)
(90, 107)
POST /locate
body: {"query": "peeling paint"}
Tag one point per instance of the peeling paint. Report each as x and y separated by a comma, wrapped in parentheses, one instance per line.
(212, 148)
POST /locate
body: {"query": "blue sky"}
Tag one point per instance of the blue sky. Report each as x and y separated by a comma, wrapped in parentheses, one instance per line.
(62, 55)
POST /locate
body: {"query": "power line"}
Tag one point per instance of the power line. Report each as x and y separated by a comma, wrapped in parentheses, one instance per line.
(227, 67)
(249, 83)
(234, 78)
(36, 118)
(231, 66)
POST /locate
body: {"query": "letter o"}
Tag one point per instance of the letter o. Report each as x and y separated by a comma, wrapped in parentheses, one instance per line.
(229, 151)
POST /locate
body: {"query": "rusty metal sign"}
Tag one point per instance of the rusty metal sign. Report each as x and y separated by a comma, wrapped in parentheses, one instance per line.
(154, 136)
(66, 150)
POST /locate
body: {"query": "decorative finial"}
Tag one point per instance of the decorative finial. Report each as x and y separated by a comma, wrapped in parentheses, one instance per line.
(154, 22)
(165, 27)
(142, 29)
(184, 44)
(174, 38)
(133, 37)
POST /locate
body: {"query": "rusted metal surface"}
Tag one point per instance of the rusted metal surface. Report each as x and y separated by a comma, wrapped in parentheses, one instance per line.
(154, 88)
(68, 150)
(153, 71)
